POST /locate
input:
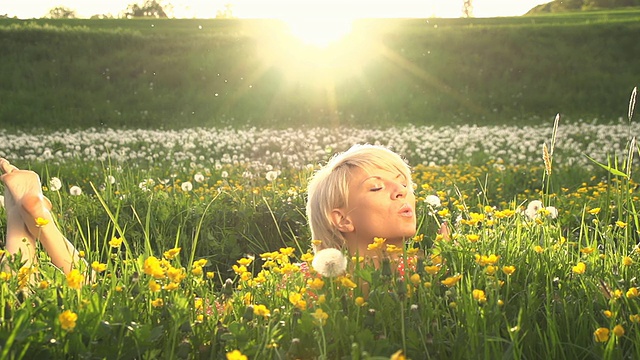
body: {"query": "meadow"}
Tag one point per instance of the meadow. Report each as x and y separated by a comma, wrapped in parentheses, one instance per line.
(176, 155)
(197, 247)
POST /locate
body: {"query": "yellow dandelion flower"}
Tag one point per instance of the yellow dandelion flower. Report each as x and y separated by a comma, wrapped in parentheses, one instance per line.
(376, 244)
(171, 253)
(75, 279)
(490, 270)
(171, 286)
(115, 242)
(154, 286)
(618, 330)
(346, 282)
(288, 251)
(210, 274)
(415, 279)
(44, 284)
(509, 270)
(479, 296)
(320, 316)
(451, 280)
(632, 293)
(436, 259)
(176, 274)
(539, 249)
(236, 355)
(487, 259)
(98, 267)
(579, 268)
(473, 237)
(40, 222)
(627, 261)
(607, 313)
(393, 249)
(360, 301)
(315, 284)
(621, 224)
(157, 303)
(594, 211)
(199, 263)
(244, 261)
(307, 257)
(197, 271)
(239, 269)
(398, 355)
(601, 334)
(634, 318)
(587, 250)
(5, 276)
(261, 310)
(432, 269)
(68, 320)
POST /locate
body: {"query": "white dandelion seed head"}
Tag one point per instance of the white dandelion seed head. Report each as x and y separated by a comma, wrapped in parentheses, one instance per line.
(532, 209)
(111, 179)
(198, 177)
(329, 262)
(186, 186)
(433, 200)
(55, 184)
(271, 175)
(224, 174)
(553, 212)
(75, 190)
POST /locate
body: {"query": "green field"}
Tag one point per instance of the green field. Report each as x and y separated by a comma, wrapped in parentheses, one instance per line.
(178, 73)
(199, 242)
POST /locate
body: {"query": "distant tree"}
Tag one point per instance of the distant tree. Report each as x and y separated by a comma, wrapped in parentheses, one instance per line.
(467, 9)
(605, 4)
(226, 13)
(101, 16)
(61, 12)
(150, 8)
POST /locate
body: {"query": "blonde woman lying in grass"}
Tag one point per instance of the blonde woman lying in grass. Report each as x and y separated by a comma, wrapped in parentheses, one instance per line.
(361, 194)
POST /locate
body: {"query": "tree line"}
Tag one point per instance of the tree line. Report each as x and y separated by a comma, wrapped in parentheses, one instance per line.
(579, 5)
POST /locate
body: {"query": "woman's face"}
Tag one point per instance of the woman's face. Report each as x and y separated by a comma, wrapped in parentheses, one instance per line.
(381, 204)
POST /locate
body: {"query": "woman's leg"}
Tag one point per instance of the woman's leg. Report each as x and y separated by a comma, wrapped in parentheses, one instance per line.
(28, 204)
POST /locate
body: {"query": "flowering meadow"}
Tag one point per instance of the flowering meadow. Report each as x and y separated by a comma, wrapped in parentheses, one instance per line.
(196, 246)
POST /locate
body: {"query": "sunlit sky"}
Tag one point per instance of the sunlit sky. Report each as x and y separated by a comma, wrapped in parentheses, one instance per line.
(27, 9)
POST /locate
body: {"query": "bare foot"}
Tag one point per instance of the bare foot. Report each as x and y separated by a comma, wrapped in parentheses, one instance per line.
(30, 211)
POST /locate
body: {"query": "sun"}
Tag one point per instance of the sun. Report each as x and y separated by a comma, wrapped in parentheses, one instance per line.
(319, 31)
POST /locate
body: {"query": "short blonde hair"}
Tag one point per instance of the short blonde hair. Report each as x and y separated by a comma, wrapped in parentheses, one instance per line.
(328, 189)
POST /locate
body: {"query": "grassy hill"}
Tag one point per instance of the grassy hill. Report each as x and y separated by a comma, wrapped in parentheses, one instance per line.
(177, 73)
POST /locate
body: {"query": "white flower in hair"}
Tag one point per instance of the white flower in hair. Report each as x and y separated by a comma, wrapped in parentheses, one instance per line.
(329, 262)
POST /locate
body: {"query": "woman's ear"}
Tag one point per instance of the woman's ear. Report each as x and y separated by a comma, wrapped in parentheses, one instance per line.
(341, 221)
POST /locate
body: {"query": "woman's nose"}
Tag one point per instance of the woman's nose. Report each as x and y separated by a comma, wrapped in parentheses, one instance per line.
(400, 190)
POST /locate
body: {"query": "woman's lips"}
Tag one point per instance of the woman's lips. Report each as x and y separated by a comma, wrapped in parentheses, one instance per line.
(406, 210)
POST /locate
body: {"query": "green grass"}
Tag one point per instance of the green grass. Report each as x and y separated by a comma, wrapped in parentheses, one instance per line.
(544, 306)
(179, 73)
(212, 270)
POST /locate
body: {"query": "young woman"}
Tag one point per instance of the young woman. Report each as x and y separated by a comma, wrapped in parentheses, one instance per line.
(362, 193)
